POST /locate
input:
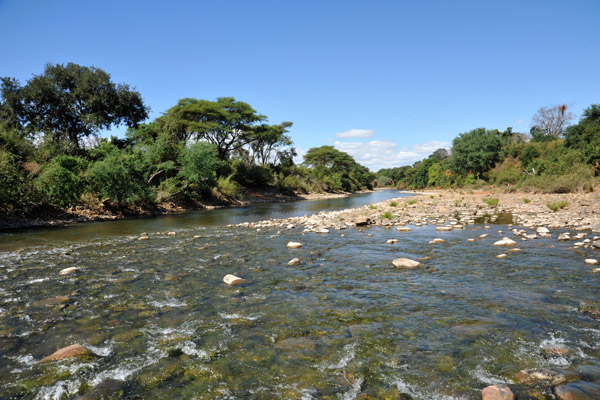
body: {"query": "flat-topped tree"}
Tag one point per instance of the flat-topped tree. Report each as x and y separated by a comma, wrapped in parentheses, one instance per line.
(71, 102)
(227, 123)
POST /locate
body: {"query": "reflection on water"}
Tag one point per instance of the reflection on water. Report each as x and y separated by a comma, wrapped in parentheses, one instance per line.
(341, 324)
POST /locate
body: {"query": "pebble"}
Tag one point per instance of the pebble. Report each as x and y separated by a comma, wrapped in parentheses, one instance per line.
(392, 241)
(501, 256)
(294, 261)
(497, 392)
(294, 245)
(68, 271)
(437, 240)
(406, 263)
(591, 261)
(505, 242)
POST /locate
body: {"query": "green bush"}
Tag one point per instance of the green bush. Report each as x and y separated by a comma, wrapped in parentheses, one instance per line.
(413, 201)
(387, 215)
(509, 172)
(117, 178)
(557, 205)
(16, 190)
(526, 200)
(198, 165)
(579, 178)
(228, 187)
(393, 203)
(372, 207)
(60, 181)
(491, 202)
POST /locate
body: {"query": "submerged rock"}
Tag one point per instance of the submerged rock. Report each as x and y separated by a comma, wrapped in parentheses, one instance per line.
(591, 261)
(579, 390)
(501, 256)
(294, 245)
(548, 376)
(106, 390)
(74, 350)
(497, 392)
(406, 263)
(294, 261)
(68, 271)
(232, 279)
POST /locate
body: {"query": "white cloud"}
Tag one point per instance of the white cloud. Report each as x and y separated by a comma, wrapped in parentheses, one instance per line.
(519, 122)
(355, 133)
(377, 154)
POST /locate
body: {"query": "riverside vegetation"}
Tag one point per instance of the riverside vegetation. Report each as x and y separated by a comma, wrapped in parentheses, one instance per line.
(198, 151)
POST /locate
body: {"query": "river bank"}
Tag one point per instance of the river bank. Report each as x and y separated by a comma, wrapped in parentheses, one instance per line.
(449, 209)
(47, 216)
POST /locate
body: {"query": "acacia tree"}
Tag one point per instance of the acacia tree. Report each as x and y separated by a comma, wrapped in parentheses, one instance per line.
(70, 102)
(476, 151)
(267, 139)
(549, 123)
(226, 123)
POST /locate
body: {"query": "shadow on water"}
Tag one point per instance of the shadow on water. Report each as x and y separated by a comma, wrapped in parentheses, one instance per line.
(502, 218)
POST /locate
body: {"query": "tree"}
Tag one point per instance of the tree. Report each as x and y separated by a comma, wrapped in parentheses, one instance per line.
(226, 123)
(548, 123)
(585, 136)
(328, 157)
(440, 154)
(476, 151)
(70, 102)
(269, 138)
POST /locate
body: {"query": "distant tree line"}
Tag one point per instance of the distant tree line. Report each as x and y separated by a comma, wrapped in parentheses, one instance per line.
(554, 157)
(51, 152)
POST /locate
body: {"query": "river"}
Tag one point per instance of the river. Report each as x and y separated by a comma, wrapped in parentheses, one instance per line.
(342, 324)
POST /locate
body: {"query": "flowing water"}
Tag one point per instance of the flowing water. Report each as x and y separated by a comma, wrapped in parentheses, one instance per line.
(343, 323)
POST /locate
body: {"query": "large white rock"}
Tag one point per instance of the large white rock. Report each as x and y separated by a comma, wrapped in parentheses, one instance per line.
(437, 240)
(392, 241)
(505, 242)
(294, 261)
(294, 245)
(591, 261)
(542, 229)
(68, 271)
(444, 228)
(497, 392)
(232, 279)
(403, 229)
(406, 263)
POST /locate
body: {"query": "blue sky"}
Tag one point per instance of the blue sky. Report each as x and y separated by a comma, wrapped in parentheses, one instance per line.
(387, 81)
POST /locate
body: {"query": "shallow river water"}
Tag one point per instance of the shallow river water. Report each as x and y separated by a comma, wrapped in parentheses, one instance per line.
(342, 324)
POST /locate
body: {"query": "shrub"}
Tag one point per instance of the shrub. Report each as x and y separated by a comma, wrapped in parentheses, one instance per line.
(557, 205)
(411, 202)
(526, 200)
(228, 187)
(579, 178)
(198, 165)
(251, 174)
(15, 187)
(393, 203)
(60, 181)
(372, 207)
(491, 202)
(387, 215)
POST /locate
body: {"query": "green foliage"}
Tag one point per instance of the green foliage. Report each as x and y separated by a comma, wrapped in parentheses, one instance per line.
(198, 165)
(70, 102)
(393, 203)
(228, 187)
(251, 174)
(476, 151)
(492, 202)
(118, 178)
(585, 136)
(16, 190)
(387, 215)
(411, 202)
(526, 200)
(557, 205)
(60, 182)
(372, 207)
(509, 172)
(580, 177)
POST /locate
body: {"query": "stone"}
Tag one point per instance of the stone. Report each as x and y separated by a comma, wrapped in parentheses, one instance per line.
(483, 236)
(143, 238)
(444, 228)
(294, 261)
(505, 242)
(470, 240)
(501, 256)
(437, 240)
(108, 389)
(564, 236)
(68, 271)
(362, 221)
(294, 245)
(596, 225)
(53, 301)
(321, 230)
(232, 279)
(497, 392)
(403, 229)
(392, 241)
(579, 390)
(73, 350)
(591, 261)
(547, 376)
(172, 233)
(543, 230)
(596, 271)
(406, 263)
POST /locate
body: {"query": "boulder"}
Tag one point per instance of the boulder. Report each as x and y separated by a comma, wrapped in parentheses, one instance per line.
(444, 228)
(579, 390)
(403, 229)
(406, 263)
(294, 261)
(294, 245)
(436, 241)
(542, 230)
(497, 392)
(591, 261)
(108, 389)
(564, 236)
(321, 230)
(74, 350)
(501, 256)
(68, 271)
(143, 238)
(232, 279)
(362, 221)
(505, 242)
(171, 233)
(392, 241)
